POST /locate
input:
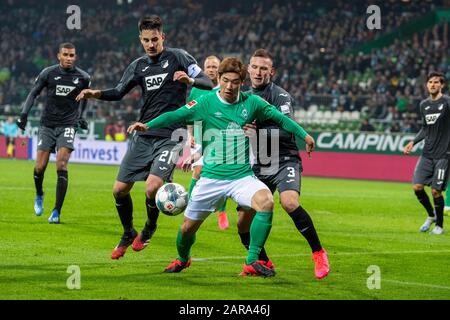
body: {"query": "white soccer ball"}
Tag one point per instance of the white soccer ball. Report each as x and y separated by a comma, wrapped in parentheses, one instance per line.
(171, 199)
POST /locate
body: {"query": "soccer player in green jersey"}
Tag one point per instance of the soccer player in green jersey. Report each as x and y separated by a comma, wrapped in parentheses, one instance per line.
(227, 172)
(211, 67)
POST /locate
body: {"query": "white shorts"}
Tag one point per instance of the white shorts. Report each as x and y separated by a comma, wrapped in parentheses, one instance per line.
(209, 194)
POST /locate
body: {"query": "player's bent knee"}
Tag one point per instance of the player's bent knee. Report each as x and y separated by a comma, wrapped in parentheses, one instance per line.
(418, 187)
(119, 193)
(190, 227)
(121, 189)
(151, 190)
(289, 205)
(40, 168)
(61, 165)
(263, 201)
(152, 186)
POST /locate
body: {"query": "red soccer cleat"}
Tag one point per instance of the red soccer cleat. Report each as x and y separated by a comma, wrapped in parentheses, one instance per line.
(257, 268)
(176, 266)
(142, 240)
(321, 265)
(125, 242)
(223, 220)
(269, 265)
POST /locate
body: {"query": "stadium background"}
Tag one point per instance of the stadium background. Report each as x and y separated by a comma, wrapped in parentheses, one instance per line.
(340, 74)
(344, 77)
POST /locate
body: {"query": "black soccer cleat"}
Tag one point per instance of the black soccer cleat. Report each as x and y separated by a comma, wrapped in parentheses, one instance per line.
(257, 268)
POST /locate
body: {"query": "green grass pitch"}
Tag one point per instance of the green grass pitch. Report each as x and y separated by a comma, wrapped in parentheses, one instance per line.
(360, 223)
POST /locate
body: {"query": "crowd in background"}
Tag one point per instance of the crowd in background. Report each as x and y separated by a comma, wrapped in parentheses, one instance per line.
(310, 43)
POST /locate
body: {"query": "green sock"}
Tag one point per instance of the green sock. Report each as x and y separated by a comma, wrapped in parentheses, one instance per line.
(223, 207)
(447, 199)
(184, 244)
(193, 183)
(259, 231)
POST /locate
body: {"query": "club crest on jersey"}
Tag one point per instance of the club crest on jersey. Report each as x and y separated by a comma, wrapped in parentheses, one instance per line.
(244, 114)
(432, 118)
(191, 104)
(63, 90)
(155, 82)
(76, 81)
(164, 64)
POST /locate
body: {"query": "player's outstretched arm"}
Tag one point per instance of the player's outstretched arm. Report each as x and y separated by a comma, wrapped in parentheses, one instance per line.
(182, 114)
(126, 83)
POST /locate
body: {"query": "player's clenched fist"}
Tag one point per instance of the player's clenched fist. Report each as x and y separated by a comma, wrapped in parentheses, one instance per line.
(138, 126)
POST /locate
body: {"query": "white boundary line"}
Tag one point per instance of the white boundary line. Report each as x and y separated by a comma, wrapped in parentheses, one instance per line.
(415, 284)
(331, 255)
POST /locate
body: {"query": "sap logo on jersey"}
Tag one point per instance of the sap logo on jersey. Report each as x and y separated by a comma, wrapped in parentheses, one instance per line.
(154, 82)
(64, 90)
(432, 118)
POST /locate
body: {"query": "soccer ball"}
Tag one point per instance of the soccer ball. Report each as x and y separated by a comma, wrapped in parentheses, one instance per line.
(171, 199)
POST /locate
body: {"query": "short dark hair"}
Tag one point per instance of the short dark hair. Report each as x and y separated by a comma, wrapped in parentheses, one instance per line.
(150, 23)
(262, 53)
(433, 74)
(232, 64)
(66, 45)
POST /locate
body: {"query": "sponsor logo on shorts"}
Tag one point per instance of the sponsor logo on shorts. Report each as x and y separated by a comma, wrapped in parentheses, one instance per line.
(63, 90)
(290, 180)
(162, 168)
(155, 82)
